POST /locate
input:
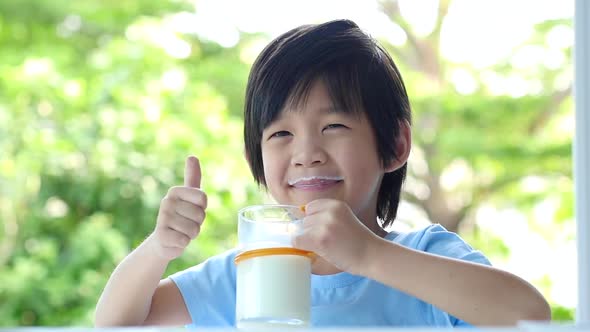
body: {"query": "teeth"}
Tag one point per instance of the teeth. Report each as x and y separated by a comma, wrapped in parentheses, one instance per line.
(315, 178)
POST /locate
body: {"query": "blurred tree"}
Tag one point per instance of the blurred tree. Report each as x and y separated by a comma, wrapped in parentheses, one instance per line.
(100, 103)
(483, 147)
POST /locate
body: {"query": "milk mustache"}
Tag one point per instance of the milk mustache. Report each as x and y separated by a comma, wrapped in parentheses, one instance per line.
(273, 278)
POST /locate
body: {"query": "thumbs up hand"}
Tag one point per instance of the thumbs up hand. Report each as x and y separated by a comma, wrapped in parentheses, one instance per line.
(182, 212)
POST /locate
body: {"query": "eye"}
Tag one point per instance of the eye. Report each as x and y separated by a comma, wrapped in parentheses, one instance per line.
(334, 126)
(281, 133)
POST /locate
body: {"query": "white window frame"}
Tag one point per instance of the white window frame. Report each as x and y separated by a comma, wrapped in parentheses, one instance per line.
(581, 154)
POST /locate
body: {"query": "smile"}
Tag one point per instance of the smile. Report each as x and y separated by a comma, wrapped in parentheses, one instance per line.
(314, 183)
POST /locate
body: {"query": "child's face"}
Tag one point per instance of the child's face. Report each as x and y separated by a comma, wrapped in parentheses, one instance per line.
(312, 153)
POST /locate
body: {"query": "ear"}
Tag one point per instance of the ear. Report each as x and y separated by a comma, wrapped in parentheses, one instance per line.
(403, 145)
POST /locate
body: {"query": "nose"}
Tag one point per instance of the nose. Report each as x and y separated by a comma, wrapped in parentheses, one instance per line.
(308, 152)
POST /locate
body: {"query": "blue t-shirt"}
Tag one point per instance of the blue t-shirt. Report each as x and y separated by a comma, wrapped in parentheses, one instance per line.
(342, 299)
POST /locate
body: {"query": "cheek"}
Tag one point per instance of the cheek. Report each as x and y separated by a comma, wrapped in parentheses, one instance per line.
(362, 161)
(272, 177)
(270, 167)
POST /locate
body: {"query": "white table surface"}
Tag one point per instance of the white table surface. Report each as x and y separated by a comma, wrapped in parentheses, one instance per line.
(522, 327)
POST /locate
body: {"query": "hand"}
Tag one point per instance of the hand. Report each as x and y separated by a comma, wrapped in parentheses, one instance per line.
(182, 212)
(332, 231)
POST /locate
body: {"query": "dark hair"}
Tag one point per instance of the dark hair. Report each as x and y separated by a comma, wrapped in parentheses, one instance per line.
(360, 77)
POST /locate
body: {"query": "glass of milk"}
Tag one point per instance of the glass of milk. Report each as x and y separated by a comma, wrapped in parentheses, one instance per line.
(273, 278)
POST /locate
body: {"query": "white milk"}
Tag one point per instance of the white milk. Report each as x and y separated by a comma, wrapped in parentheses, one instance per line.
(273, 290)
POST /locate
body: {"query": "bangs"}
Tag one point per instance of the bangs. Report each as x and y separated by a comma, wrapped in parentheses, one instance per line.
(343, 85)
(283, 74)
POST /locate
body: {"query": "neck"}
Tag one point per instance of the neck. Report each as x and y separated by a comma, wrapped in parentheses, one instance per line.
(369, 219)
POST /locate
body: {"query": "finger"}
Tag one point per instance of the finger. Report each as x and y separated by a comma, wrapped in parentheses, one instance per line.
(310, 221)
(191, 195)
(314, 224)
(315, 206)
(173, 239)
(303, 241)
(190, 211)
(185, 226)
(192, 172)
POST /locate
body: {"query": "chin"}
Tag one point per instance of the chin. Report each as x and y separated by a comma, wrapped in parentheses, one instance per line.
(315, 196)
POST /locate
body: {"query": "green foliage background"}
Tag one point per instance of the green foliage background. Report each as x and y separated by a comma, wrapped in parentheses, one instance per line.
(97, 117)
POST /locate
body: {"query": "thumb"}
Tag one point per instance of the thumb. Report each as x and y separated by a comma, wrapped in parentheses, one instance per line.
(192, 172)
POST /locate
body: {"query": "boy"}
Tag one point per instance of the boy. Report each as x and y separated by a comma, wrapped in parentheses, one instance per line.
(327, 125)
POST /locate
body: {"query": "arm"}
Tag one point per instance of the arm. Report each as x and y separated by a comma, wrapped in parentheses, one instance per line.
(475, 293)
(134, 294)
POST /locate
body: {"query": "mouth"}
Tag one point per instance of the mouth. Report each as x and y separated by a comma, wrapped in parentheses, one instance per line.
(315, 183)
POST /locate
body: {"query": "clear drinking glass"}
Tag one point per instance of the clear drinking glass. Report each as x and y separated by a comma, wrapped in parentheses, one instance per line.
(273, 278)
(268, 226)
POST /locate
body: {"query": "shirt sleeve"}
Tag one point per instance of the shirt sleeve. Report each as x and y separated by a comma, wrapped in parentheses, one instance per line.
(209, 291)
(437, 240)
